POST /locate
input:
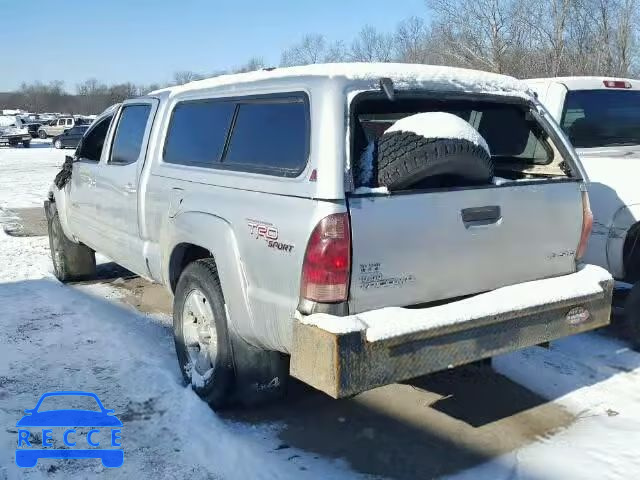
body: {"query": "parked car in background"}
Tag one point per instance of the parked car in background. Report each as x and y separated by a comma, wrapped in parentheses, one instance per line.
(58, 126)
(15, 134)
(70, 138)
(601, 118)
(32, 127)
(245, 196)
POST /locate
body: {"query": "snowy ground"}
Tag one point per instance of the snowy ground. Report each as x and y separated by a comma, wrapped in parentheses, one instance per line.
(26, 174)
(82, 337)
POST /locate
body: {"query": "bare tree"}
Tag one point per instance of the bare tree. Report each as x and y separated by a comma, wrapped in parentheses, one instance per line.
(372, 46)
(477, 33)
(625, 37)
(254, 63)
(185, 76)
(313, 48)
(411, 41)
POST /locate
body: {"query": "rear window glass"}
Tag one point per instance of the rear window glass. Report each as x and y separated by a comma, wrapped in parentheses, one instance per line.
(509, 130)
(520, 146)
(130, 134)
(197, 132)
(602, 118)
(270, 137)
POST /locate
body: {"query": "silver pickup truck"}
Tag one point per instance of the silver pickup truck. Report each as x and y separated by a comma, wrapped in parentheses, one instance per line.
(305, 227)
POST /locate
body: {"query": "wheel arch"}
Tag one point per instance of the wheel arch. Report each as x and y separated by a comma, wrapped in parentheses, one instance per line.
(623, 233)
(57, 202)
(195, 235)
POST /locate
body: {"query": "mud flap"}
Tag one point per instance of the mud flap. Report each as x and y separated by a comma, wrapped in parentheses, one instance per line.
(260, 375)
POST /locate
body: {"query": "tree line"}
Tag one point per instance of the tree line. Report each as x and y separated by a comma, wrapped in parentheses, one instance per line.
(514, 37)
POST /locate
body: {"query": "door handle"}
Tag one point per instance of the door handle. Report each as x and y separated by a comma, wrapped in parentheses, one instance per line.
(479, 216)
(130, 188)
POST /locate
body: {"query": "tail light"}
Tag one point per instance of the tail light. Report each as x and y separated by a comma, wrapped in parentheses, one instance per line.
(327, 261)
(587, 224)
(616, 84)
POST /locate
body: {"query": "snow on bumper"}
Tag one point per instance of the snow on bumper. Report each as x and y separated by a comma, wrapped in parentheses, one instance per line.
(343, 356)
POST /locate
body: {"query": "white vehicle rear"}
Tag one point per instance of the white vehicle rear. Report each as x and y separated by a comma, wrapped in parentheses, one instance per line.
(601, 118)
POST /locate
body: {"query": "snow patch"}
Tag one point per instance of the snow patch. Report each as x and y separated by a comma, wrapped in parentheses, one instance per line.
(369, 190)
(198, 380)
(439, 125)
(27, 174)
(334, 324)
(391, 322)
(595, 378)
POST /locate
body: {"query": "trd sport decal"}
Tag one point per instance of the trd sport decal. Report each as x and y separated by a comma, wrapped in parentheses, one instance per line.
(269, 233)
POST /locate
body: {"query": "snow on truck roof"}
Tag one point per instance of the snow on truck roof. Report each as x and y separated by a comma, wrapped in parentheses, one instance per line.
(404, 76)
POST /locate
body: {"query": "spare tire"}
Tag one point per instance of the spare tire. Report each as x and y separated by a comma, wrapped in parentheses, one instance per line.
(433, 150)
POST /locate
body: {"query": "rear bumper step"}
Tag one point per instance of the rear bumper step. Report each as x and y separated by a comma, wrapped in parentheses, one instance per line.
(343, 356)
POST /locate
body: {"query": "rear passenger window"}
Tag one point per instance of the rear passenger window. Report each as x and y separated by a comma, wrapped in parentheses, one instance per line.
(270, 136)
(129, 134)
(197, 132)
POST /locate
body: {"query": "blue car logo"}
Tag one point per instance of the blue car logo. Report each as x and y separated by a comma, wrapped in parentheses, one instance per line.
(105, 431)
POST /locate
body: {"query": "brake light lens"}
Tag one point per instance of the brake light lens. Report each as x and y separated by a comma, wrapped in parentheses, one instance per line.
(327, 261)
(587, 225)
(616, 84)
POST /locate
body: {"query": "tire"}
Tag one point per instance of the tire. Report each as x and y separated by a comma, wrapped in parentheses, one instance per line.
(406, 159)
(631, 316)
(71, 261)
(199, 285)
(57, 144)
(26, 143)
(42, 134)
(14, 143)
(631, 254)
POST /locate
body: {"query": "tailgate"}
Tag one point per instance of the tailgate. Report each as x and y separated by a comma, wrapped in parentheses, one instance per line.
(419, 247)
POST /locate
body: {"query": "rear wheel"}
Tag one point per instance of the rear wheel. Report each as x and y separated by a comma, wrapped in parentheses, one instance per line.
(71, 261)
(221, 367)
(42, 134)
(632, 316)
(26, 143)
(631, 254)
(200, 333)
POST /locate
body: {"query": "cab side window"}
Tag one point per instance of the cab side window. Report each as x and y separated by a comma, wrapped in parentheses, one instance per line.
(270, 136)
(129, 136)
(93, 142)
(198, 132)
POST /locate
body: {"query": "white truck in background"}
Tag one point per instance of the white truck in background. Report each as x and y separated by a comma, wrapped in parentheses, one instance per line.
(601, 118)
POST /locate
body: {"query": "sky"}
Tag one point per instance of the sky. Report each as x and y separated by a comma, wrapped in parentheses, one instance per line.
(146, 41)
